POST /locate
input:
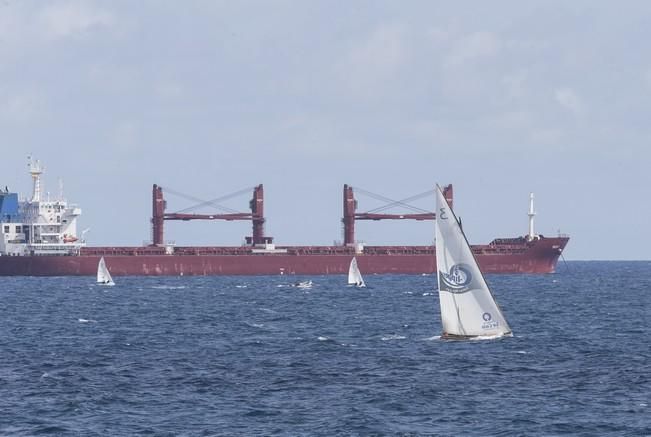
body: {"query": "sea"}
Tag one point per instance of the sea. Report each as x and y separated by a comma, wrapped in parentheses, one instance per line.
(213, 356)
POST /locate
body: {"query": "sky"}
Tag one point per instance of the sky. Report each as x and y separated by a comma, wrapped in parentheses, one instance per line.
(207, 98)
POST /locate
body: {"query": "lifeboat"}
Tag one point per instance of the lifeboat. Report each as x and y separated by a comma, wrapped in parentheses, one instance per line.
(69, 239)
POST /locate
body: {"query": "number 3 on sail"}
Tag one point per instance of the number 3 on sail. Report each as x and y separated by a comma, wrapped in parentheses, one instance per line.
(468, 308)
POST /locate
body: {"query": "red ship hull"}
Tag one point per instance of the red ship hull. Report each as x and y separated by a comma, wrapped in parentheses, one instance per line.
(501, 256)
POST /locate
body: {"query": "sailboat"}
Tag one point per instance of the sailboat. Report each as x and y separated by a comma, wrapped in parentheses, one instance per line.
(103, 275)
(468, 308)
(354, 275)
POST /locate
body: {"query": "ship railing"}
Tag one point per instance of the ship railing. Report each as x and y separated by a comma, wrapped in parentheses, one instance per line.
(508, 241)
(54, 249)
(318, 250)
(399, 250)
(123, 251)
(497, 250)
(149, 243)
(51, 245)
(209, 250)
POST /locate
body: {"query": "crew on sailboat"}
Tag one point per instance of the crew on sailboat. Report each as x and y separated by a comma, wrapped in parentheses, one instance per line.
(354, 275)
(103, 275)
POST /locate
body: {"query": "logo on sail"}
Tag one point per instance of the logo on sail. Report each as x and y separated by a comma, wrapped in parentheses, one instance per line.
(489, 323)
(458, 280)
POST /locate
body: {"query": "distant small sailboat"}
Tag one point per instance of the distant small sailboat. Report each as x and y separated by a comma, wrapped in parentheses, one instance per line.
(103, 275)
(468, 308)
(354, 275)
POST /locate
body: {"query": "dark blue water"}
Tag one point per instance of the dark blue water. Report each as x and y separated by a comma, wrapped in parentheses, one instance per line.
(248, 356)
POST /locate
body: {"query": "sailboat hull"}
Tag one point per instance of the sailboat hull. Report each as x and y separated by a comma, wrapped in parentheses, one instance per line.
(454, 337)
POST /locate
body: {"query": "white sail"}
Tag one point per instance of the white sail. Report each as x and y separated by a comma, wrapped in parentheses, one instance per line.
(354, 275)
(468, 308)
(103, 275)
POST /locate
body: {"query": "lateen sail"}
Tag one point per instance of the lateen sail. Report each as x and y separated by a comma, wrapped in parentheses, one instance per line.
(468, 308)
(354, 275)
(103, 275)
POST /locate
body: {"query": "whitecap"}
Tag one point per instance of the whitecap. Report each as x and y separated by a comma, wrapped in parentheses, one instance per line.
(169, 287)
(86, 321)
(255, 325)
(393, 337)
(240, 286)
(522, 352)
(434, 337)
(320, 338)
(428, 294)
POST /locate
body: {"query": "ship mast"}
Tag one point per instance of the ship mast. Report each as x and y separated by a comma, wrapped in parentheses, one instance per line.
(61, 198)
(531, 215)
(35, 169)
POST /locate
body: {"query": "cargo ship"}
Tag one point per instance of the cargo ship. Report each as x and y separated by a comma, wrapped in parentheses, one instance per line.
(39, 238)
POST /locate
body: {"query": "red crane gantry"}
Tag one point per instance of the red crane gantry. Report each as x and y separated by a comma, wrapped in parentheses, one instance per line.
(256, 216)
(350, 216)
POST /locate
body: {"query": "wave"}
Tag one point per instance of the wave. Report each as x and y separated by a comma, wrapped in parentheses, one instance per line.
(254, 325)
(169, 287)
(393, 337)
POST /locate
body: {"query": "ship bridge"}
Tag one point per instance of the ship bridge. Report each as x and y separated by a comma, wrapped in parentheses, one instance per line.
(38, 226)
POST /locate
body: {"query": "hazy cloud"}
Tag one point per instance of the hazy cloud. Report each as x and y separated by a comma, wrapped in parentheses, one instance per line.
(374, 60)
(647, 78)
(168, 89)
(311, 95)
(478, 45)
(19, 108)
(64, 19)
(126, 136)
(515, 84)
(568, 99)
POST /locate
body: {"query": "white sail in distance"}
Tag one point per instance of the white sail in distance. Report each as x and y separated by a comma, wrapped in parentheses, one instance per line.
(468, 308)
(354, 275)
(103, 275)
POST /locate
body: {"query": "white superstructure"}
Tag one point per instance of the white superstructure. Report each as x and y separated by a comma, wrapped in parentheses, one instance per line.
(531, 235)
(38, 226)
